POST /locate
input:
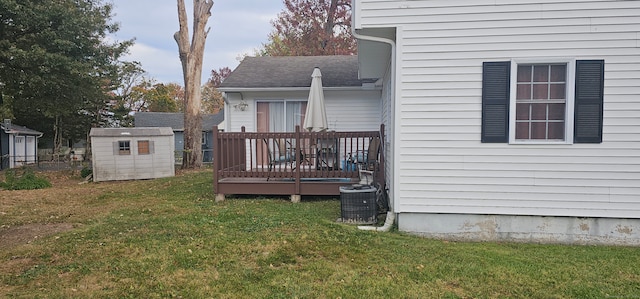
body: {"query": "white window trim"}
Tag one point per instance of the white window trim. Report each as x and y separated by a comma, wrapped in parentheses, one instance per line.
(569, 108)
(123, 152)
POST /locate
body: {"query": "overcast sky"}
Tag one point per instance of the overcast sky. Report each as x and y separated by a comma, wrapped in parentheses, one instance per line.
(237, 27)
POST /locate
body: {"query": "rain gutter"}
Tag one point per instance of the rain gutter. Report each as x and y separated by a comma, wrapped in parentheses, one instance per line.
(306, 89)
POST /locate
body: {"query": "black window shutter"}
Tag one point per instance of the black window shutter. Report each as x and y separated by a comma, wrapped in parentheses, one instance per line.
(588, 101)
(495, 101)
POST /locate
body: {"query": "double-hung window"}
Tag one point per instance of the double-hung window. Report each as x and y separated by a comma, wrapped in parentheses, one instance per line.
(542, 101)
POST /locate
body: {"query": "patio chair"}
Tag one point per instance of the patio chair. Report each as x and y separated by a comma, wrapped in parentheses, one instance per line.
(367, 161)
(327, 153)
(279, 152)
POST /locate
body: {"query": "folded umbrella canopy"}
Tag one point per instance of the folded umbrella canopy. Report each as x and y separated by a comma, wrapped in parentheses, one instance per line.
(315, 119)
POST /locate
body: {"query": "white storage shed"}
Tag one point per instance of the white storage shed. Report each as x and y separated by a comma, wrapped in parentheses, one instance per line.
(132, 153)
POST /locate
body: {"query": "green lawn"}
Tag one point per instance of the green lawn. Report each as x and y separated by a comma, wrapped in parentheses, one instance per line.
(167, 238)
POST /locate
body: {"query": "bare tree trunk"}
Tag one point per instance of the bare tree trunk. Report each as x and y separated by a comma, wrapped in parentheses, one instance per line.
(328, 27)
(57, 138)
(191, 57)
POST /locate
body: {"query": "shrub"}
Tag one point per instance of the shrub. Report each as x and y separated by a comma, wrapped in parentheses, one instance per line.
(24, 179)
(85, 172)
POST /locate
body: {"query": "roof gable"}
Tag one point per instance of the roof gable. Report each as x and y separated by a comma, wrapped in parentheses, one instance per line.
(294, 71)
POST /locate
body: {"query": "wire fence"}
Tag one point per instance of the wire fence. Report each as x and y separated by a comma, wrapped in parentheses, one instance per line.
(72, 161)
(207, 156)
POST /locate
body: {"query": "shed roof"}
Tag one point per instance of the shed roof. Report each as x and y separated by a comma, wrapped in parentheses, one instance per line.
(10, 128)
(131, 132)
(175, 120)
(294, 71)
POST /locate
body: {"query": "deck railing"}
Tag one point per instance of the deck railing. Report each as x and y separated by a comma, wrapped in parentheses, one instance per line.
(296, 156)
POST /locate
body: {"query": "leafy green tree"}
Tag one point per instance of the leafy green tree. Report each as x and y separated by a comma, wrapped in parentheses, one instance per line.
(311, 27)
(160, 100)
(150, 96)
(56, 66)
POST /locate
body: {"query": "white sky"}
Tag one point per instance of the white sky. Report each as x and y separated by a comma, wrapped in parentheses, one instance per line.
(237, 27)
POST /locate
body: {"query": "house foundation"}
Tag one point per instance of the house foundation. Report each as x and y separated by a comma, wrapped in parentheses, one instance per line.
(532, 229)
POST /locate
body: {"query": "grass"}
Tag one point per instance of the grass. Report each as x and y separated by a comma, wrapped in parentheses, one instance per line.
(167, 238)
(23, 179)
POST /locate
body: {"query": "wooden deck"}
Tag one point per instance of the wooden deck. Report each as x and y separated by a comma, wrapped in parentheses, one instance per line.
(294, 163)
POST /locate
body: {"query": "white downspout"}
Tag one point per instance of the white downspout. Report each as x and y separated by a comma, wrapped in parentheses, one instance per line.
(391, 215)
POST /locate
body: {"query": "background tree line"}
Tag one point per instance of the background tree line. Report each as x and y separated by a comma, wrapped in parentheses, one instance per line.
(59, 74)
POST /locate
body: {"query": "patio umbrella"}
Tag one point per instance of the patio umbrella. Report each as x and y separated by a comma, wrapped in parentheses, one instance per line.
(315, 119)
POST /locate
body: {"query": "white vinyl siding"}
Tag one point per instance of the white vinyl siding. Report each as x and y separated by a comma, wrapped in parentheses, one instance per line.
(443, 167)
(346, 110)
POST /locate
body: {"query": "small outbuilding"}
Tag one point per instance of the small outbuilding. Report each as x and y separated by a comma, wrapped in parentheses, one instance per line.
(18, 145)
(132, 153)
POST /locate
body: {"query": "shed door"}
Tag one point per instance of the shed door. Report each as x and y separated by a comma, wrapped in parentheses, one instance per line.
(31, 149)
(19, 153)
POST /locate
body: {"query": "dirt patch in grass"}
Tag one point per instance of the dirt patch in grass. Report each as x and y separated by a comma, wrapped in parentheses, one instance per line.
(26, 215)
(24, 234)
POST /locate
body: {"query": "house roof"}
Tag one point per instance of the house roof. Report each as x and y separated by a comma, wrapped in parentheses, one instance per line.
(294, 71)
(175, 120)
(10, 128)
(133, 132)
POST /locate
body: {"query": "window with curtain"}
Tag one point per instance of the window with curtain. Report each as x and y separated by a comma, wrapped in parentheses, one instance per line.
(277, 116)
(280, 116)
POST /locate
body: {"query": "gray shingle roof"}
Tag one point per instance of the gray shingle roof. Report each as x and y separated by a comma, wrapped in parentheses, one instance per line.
(294, 71)
(133, 132)
(175, 120)
(15, 129)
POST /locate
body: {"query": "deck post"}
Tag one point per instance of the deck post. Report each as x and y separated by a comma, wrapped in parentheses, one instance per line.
(219, 197)
(217, 149)
(298, 161)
